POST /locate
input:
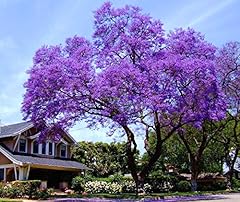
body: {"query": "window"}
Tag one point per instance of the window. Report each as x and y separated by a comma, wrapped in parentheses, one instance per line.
(44, 148)
(50, 148)
(22, 145)
(35, 147)
(1, 174)
(63, 150)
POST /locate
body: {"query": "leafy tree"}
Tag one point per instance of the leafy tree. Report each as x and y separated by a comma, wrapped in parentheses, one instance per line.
(174, 153)
(229, 73)
(133, 78)
(105, 159)
(196, 141)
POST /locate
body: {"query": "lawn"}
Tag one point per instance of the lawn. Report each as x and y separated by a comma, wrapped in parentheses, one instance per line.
(9, 200)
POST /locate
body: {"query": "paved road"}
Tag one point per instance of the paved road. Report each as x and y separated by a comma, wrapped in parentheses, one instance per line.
(227, 198)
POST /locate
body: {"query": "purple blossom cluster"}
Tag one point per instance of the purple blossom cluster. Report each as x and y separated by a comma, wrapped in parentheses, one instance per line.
(130, 71)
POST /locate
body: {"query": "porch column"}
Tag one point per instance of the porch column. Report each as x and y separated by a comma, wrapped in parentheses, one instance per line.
(27, 172)
(21, 173)
(24, 172)
(5, 174)
(15, 172)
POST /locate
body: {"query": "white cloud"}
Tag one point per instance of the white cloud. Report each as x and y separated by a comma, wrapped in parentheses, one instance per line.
(212, 10)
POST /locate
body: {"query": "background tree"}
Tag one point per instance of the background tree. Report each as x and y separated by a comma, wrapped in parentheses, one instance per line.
(229, 74)
(132, 78)
(174, 153)
(196, 141)
(104, 158)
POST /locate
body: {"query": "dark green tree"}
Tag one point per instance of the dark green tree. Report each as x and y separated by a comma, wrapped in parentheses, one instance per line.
(104, 158)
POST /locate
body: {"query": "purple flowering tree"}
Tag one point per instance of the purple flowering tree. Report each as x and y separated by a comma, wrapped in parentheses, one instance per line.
(229, 73)
(132, 78)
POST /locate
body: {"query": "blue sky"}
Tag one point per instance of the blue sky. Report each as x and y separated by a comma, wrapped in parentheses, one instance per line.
(27, 25)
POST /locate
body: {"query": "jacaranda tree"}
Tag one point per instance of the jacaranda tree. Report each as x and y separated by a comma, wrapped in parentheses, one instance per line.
(130, 77)
(229, 73)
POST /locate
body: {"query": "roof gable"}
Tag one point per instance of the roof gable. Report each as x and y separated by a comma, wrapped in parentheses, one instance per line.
(14, 129)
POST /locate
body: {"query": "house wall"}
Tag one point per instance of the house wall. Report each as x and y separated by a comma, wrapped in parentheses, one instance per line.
(29, 146)
(8, 142)
(4, 160)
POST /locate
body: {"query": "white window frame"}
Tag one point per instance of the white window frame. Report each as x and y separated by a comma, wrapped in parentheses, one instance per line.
(53, 148)
(26, 146)
(47, 148)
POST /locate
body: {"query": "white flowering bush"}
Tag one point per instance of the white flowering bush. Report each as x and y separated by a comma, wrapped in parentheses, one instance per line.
(128, 186)
(115, 188)
(147, 188)
(95, 187)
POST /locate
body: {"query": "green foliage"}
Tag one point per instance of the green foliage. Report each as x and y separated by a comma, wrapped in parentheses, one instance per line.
(162, 182)
(235, 183)
(212, 186)
(28, 188)
(44, 194)
(105, 159)
(183, 186)
(23, 189)
(78, 183)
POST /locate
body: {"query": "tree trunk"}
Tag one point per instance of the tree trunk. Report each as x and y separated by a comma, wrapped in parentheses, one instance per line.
(194, 174)
(231, 163)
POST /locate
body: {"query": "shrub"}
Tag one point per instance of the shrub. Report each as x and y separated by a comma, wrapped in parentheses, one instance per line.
(114, 188)
(128, 186)
(183, 186)
(235, 183)
(116, 178)
(78, 184)
(162, 183)
(95, 187)
(19, 189)
(212, 186)
(44, 194)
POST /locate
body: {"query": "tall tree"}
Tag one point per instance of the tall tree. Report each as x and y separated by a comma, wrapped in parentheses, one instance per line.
(229, 73)
(132, 78)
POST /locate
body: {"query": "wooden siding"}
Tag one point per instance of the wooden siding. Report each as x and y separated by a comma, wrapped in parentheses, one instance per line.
(4, 160)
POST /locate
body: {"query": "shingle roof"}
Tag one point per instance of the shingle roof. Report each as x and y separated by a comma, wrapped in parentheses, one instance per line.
(50, 162)
(14, 129)
(41, 161)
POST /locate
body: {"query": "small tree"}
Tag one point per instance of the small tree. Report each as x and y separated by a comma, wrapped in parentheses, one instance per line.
(132, 78)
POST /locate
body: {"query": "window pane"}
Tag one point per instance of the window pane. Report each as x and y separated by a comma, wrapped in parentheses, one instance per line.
(35, 147)
(50, 148)
(22, 145)
(63, 150)
(1, 174)
(43, 148)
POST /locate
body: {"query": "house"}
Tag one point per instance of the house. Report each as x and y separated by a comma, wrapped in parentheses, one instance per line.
(23, 157)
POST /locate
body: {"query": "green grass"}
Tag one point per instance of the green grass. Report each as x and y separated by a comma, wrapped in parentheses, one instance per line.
(9, 200)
